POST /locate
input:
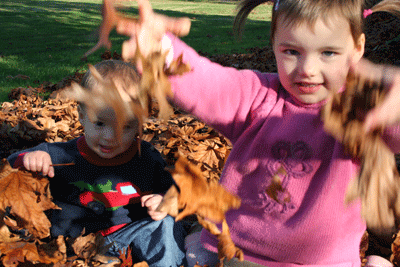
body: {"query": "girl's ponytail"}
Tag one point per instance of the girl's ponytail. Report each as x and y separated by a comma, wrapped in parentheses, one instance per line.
(245, 7)
(390, 6)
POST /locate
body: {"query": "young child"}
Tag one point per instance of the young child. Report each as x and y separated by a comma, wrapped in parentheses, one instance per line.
(110, 189)
(273, 122)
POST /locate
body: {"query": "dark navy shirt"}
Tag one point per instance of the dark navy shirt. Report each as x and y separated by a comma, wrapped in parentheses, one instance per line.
(98, 194)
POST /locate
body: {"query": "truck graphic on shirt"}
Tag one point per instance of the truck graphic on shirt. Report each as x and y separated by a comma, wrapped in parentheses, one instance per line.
(101, 197)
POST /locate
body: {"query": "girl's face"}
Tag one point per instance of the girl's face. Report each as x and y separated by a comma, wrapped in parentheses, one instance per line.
(100, 135)
(315, 60)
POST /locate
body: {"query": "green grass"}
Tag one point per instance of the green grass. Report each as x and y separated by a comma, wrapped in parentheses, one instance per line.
(45, 39)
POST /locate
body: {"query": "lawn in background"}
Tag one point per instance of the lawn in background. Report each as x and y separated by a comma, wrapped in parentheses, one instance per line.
(44, 40)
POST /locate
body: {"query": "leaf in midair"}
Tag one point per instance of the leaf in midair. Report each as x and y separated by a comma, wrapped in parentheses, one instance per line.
(154, 81)
(196, 195)
(378, 181)
(226, 247)
(28, 196)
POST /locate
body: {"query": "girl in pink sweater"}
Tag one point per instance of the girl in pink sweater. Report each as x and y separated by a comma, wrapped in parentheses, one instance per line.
(273, 123)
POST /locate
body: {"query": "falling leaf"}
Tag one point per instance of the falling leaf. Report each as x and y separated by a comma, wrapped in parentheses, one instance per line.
(28, 196)
(112, 19)
(226, 247)
(197, 195)
(154, 81)
(378, 181)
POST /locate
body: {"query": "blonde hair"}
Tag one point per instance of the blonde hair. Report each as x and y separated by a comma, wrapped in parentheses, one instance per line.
(295, 12)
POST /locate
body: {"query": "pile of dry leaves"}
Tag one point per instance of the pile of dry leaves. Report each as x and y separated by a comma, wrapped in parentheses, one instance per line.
(29, 120)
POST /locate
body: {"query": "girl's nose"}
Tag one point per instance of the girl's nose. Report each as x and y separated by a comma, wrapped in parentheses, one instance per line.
(308, 67)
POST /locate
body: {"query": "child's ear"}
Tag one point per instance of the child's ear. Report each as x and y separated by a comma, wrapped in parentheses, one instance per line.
(359, 49)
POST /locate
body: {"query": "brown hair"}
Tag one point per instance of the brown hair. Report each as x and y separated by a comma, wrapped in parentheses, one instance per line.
(300, 11)
(118, 70)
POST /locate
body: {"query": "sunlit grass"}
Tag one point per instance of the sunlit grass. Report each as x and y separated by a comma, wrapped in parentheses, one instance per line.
(45, 40)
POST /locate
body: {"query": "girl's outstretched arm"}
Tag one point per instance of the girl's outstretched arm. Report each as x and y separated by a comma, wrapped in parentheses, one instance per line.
(388, 113)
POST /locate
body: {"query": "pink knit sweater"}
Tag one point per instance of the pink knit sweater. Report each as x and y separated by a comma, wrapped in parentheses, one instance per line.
(270, 129)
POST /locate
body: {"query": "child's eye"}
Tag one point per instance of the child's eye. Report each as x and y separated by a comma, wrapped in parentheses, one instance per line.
(99, 123)
(329, 53)
(291, 52)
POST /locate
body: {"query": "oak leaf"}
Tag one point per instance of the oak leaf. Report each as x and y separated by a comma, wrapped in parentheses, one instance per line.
(28, 196)
(378, 181)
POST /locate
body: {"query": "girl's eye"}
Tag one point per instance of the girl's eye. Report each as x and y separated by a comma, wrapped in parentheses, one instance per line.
(291, 52)
(329, 53)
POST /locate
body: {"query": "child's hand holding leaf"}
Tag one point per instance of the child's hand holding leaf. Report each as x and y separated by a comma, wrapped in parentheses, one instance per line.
(388, 112)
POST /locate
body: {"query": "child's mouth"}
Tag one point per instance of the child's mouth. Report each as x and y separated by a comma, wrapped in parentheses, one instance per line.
(308, 88)
(106, 149)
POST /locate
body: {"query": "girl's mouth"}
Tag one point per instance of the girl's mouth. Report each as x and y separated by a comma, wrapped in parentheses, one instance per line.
(308, 88)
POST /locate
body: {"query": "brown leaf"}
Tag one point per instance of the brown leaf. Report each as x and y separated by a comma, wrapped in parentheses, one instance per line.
(154, 81)
(53, 252)
(198, 196)
(91, 247)
(395, 257)
(226, 247)
(28, 196)
(17, 252)
(378, 181)
(141, 264)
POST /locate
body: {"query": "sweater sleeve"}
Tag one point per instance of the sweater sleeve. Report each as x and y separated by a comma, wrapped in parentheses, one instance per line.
(15, 159)
(222, 97)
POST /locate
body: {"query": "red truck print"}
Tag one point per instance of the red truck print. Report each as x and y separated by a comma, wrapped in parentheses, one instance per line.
(125, 193)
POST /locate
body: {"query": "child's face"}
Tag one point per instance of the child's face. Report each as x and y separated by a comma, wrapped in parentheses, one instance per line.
(100, 134)
(315, 60)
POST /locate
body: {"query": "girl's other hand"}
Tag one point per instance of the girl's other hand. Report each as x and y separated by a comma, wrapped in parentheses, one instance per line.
(387, 113)
(148, 31)
(151, 202)
(38, 161)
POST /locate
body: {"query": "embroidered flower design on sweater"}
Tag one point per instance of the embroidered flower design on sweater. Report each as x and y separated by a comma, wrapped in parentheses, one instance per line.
(289, 161)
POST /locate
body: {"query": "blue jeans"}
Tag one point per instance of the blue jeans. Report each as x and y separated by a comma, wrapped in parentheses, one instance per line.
(159, 243)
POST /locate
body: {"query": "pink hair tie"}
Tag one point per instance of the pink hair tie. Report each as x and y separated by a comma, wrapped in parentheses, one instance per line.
(367, 12)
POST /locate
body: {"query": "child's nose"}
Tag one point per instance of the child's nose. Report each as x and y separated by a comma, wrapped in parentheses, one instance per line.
(109, 133)
(308, 67)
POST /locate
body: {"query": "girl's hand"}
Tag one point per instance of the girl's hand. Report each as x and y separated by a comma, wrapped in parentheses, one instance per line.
(38, 161)
(388, 113)
(148, 31)
(151, 202)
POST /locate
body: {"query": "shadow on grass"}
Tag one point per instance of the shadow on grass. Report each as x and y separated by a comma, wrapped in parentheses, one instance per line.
(46, 39)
